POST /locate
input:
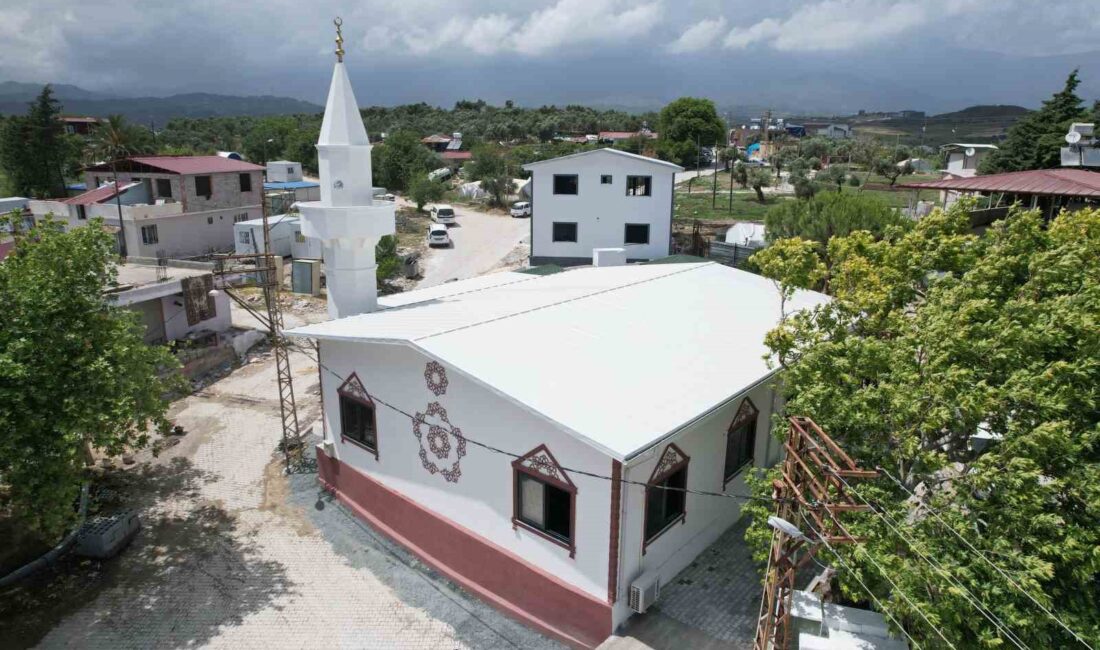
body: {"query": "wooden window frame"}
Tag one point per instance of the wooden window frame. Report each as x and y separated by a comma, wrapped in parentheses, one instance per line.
(631, 190)
(521, 465)
(626, 229)
(658, 476)
(351, 389)
(576, 232)
(746, 412)
(554, 185)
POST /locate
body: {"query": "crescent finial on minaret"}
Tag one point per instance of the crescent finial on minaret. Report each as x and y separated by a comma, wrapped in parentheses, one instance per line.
(339, 40)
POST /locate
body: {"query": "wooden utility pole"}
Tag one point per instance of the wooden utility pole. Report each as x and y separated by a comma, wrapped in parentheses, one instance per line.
(810, 489)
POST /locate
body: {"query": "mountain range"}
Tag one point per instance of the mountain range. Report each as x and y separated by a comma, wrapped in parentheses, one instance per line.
(75, 100)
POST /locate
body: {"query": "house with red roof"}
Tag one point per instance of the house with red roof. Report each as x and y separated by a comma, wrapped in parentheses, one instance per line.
(175, 206)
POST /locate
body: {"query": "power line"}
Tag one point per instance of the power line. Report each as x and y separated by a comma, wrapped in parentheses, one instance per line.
(855, 575)
(893, 584)
(982, 608)
(497, 450)
(989, 562)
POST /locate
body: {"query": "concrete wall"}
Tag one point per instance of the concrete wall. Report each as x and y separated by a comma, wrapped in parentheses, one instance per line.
(226, 189)
(958, 161)
(283, 171)
(304, 248)
(482, 499)
(707, 517)
(175, 317)
(600, 211)
(189, 234)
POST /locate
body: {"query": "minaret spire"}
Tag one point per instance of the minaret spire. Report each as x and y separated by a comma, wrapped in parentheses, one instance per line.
(347, 219)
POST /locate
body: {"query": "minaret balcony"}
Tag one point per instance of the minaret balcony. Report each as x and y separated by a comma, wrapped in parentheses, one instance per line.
(328, 223)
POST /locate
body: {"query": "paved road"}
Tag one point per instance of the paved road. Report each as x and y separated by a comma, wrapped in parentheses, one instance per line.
(480, 242)
(233, 554)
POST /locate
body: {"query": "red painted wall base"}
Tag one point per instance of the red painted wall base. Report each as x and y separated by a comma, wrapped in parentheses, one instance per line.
(496, 575)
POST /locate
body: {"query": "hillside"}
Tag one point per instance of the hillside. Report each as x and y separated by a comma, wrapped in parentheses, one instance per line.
(982, 123)
(78, 101)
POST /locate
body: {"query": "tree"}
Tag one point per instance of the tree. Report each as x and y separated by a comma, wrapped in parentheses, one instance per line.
(935, 335)
(75, 373)
(758, 178)
(1035, 141)
(499, 187)
(688, 120)
(400, 159)
(828, 215)
(424, 190)
(729, 156)
(116, 139)
(783, 158)
(34, 150)
(488, 161)
(891, 170)
(740, 174)
(833, 175)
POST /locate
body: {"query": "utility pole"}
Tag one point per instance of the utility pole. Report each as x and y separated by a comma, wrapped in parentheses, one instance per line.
(273, 318)
(766, 153)
(810, 485)
(714, 185)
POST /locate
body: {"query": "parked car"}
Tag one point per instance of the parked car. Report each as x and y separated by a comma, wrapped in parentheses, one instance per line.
(437, 235)
(386, 197)
(521, 209)
(443, 213)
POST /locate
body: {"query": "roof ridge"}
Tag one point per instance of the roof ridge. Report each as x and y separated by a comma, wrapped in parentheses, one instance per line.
(693, 267)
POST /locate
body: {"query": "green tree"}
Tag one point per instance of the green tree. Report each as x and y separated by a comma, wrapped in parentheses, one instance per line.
(386, 257)
(400, 159)
(499, 187)
(891, 170)
(688, 120)
(833, 175)
(74, 373)
(114, 140)
(488, 161)
(1035, 141)
(35, 153)
(758, 178)
(829, 215)
(740, 174)
(424, 190)
(934, 335)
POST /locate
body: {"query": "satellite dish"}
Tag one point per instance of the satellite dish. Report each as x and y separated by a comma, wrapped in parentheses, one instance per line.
(969, 151)
(1073, 137)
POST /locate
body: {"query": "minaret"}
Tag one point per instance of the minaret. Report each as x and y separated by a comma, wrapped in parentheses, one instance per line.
(348, 220)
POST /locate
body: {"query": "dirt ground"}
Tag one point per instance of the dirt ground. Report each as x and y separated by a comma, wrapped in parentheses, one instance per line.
(235, 553)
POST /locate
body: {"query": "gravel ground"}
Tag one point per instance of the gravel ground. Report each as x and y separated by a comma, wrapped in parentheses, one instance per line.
(234, 554)
(481, 240)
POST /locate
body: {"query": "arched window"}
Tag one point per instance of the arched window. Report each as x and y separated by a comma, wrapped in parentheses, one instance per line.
(358, 422)
(665, 498)
(544, 498)
(740, 440)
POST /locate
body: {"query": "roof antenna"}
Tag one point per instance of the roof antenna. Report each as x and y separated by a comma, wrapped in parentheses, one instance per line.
(339, 39)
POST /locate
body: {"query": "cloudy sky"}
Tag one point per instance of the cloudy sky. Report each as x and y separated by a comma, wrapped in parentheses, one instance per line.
(829, 55)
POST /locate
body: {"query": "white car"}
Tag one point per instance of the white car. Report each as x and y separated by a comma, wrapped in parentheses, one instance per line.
(437, 235)
(443, 213)
(521, 209)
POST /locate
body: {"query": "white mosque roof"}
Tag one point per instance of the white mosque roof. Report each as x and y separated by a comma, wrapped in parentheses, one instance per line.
(620, 357)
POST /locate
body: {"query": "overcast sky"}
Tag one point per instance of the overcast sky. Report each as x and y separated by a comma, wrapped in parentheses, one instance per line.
(811, 54)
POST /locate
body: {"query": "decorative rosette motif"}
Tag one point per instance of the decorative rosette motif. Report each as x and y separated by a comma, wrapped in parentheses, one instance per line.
(436, 376)
(434, 432)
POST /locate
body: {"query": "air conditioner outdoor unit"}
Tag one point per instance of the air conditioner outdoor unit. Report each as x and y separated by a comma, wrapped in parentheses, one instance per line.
(644, 592)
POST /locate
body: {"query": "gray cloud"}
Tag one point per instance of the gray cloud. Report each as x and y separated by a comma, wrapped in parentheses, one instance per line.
(814, 54)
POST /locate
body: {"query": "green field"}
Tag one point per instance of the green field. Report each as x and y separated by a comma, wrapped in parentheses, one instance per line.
(697, 204)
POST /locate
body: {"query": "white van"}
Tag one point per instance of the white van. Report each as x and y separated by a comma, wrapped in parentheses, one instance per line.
(443, 213)
(521, 209)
